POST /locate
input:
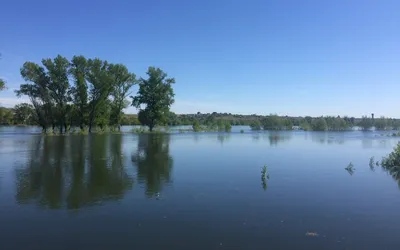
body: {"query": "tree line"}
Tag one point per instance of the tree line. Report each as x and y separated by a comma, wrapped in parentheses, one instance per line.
(88, 93)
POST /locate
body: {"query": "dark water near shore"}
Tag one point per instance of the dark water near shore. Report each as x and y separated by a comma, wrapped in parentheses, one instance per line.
(196, 191)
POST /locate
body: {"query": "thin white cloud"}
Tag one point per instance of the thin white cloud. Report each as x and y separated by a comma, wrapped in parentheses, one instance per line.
(10, 102)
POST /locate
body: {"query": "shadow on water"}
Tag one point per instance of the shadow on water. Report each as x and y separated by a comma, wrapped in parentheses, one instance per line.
(73, 172)
(153, 162)
(276, 138)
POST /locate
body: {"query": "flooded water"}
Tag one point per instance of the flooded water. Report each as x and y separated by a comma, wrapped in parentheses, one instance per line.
(196, 191)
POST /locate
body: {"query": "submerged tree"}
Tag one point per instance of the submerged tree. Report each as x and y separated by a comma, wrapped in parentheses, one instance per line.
(123, 81)
(58, 86)
(79, 91)
(36, 88)
(154, 98)
(100, 86)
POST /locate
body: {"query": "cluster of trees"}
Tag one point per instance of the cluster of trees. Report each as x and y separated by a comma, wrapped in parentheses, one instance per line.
(219, 125)
(92, 92)
(24, 114)
(274, 122)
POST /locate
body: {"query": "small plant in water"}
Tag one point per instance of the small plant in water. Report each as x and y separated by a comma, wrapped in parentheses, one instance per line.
(350, 168)
(372, 163)
(264, 177)
(241, 131)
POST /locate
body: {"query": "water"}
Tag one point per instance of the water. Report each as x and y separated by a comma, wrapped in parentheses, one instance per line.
(196, 191)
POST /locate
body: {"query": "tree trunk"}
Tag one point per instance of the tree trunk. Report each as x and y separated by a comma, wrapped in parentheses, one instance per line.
(151, 126)
(65, 127)
(119, 128)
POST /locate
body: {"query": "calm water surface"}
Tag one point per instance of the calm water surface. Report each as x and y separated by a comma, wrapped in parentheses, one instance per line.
(196, 191)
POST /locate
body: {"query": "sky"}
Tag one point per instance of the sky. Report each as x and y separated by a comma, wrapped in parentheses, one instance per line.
(289, 57)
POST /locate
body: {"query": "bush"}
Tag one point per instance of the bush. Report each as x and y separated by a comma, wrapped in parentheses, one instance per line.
(228, 127)
(196, 126)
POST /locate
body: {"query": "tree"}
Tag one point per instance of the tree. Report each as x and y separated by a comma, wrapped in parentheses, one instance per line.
(78, 70)
(122, 83)
(24, 114)
(381, 123)
(319, 124)
(255, 125)
(154, 98)
(365, 123)
(196, 126)
(100, 86)
(58, 86)
(36, 88)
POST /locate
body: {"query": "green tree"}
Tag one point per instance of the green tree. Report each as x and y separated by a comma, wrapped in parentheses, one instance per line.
(6, 116)
(319, 124)
(79, 91)
(196, 126)
(272, 122)
(24, 114)
(365, 123)
(58, 86)
(381, 123)
(100, 86)
(228, 127)
(255, 125)
(154, 98)
(122, 83)
(36, 88)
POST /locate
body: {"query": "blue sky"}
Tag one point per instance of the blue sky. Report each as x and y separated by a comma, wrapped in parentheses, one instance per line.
(289, 57)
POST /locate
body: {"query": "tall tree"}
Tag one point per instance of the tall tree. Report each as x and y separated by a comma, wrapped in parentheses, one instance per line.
(79, 91)
(57, 71)
(122, 83)
(154, 98)
(24, 114)
(100, 86)
(36, 88)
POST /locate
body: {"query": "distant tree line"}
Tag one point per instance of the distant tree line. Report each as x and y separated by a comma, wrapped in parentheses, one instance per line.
(88, 93)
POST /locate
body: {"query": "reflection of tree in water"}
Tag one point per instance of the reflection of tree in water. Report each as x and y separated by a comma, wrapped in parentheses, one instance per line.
(222, 138)
(153, 161)
(276, 138)
(73, 171)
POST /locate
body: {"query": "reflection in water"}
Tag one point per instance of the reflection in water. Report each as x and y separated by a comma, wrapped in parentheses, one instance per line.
(326, 137)
(222, 138)
(73, 171)
(275, 138)
(153, 161)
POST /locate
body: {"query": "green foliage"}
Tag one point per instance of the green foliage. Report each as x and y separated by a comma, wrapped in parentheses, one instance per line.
(6, 116)
(391, 163)
(79, 91)
(365, 123)
(24, 114)
(264, 177)
(154, 98)
(123, 80)
(228, 127)
(241, 131)
(380, 123)
(255, 125)
(319, 124)
(196, 126)
(372, 163)
(305, 125)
